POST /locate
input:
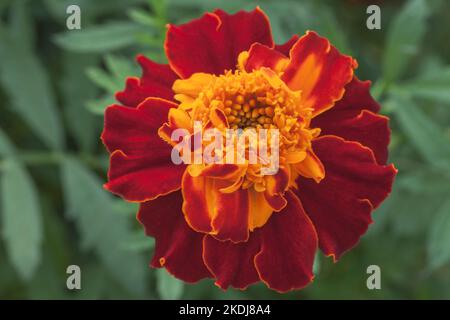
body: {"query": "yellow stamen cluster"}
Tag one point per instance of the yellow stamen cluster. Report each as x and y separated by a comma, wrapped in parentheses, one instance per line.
(252, 100)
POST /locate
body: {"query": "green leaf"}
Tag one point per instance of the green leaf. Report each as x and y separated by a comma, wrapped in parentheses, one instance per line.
(329, 26)
(103, 79)
(425, 181)
(100, 38)
(121, 68)
(169, 288)
(6, 147)
(142, 17)
(433, 86)
(439, 238)
(102, 229)
(411, 213)
(112, 81)
(89, 8)
(26, 81)
(22, 24)
(77, 89)
(427, 138)
(139, 242)
(98, 106)
(21, 219)
(404, 35)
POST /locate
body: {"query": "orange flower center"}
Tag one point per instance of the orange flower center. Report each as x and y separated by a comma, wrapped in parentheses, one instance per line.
(256, 100)
(249, 101)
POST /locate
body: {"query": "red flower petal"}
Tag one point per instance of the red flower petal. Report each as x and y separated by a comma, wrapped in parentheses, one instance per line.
(276, 185)
(286, 47)
(232, 263)
(356, 98)
(140, 165)
(177, 248)
(319, 71)
(212, 43)
(156, 81)
(289, 243)
(135, 131)
(354, 118)
(341, 204)
(143, 178)
(367, 128)
(225, 215)
(263, 56)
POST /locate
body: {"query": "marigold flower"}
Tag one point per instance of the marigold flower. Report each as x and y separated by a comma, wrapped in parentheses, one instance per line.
(228, 221)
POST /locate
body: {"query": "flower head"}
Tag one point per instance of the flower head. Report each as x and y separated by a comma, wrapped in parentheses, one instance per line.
(232, 221)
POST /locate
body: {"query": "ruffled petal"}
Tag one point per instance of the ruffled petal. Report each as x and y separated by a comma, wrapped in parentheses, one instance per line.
(219, 171)
(135, 131)
(212, 43)
(340, 205)
(263, 56)
(207, 209)
(285, 48)
(276, 185)
(232, 263)
(311, 167)
(289, 243)
(140, 168)
(260, 210)
(354, 118)
(156, 81)
(319, 71)
(178, 248)
(143, 178)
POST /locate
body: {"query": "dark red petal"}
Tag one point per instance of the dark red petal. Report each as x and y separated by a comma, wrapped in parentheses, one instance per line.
(276, 201)
(289, 243)
(263, 56)
(340, 205)
(178, 248)
(286, 47)
(231, 221)
(156, 81)
(140, 165)
(232, 263)
(135, 131)
(276, 185)
(225, 215)
(143, 178)
(367, 128)
(354, 118)
(212, 43)
(319, 71)
(356, 98)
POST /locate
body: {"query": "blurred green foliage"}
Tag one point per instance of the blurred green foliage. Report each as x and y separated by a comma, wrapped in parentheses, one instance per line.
(55, 85)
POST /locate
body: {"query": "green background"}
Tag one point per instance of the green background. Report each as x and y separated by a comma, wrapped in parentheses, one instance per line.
(55, 85)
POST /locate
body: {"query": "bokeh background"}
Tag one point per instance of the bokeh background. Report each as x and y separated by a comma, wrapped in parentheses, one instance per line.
(55, 85)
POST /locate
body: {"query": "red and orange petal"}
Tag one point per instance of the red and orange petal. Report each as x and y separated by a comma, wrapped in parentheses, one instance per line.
(288, 246)
(178, 248)
(140, 165)
(355, 118)
(212, 43)
(232, 264)
(286, 47)
(263, 56)
(319, 71)
(135, 130)
(340, 205)
(208, 210)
